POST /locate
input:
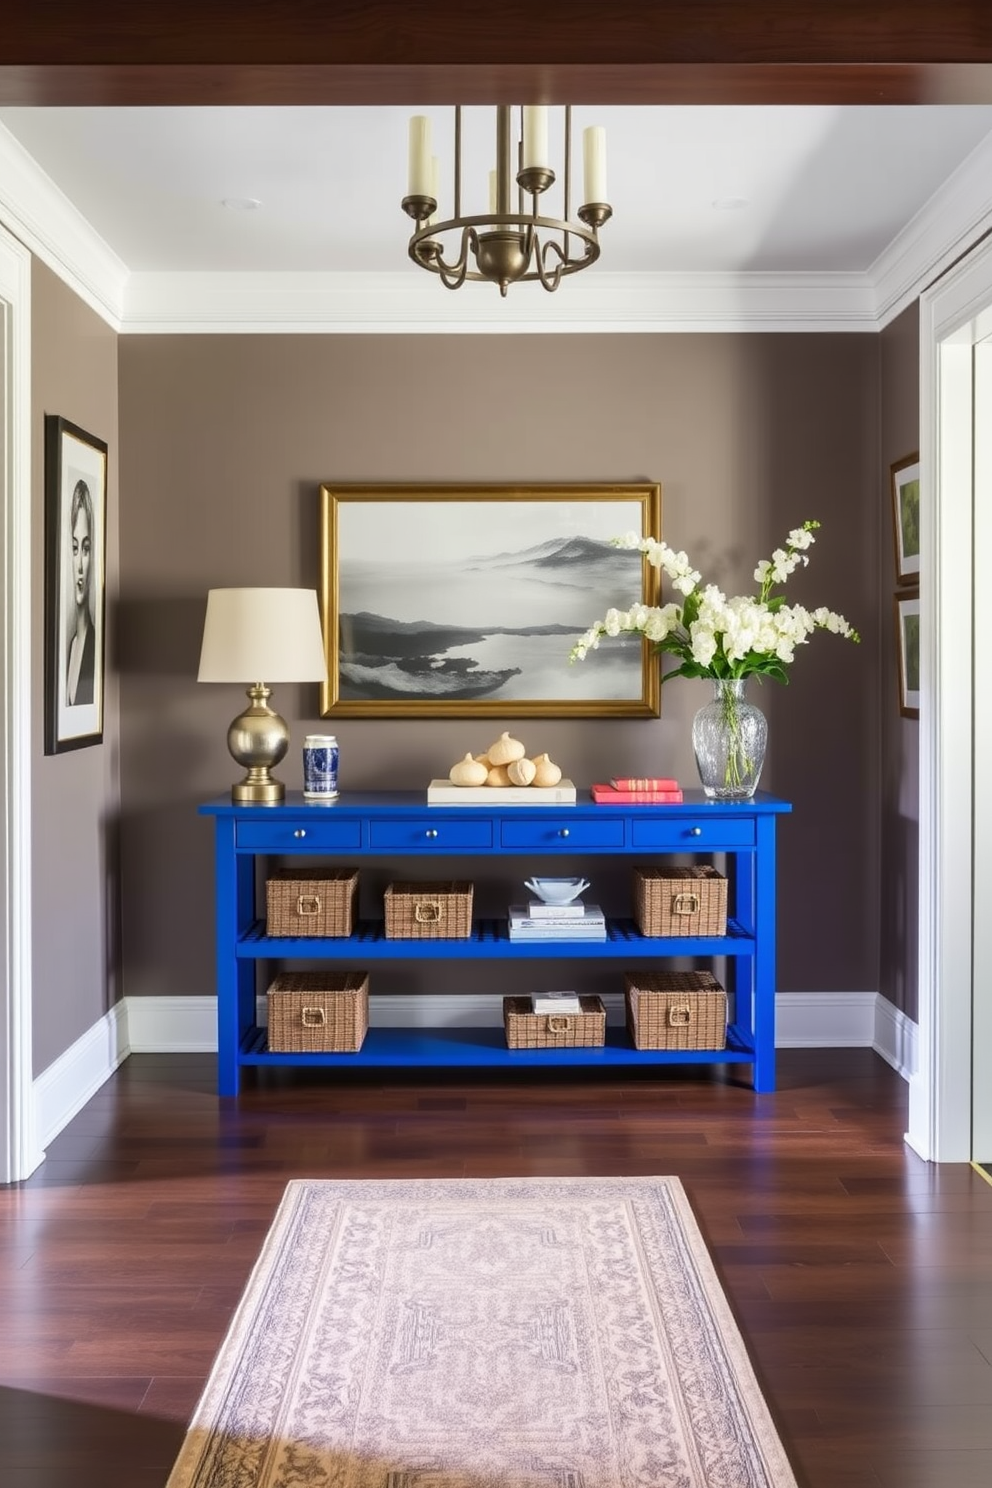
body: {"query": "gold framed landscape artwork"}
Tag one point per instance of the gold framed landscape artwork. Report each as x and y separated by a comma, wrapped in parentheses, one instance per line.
(464, 601)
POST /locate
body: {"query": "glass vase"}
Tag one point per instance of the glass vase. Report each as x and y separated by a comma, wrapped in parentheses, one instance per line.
(729, 736)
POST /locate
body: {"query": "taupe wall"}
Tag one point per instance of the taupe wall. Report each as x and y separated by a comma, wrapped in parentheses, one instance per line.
(75, 795)
(900, 436)
(225, 440)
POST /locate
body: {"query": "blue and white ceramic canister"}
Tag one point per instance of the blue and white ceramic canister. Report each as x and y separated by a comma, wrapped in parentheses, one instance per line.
(320, 767)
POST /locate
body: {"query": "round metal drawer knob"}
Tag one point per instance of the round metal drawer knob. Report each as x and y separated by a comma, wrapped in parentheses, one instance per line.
(431, 832)
(300, 832)
(695, 831)
(564, 832)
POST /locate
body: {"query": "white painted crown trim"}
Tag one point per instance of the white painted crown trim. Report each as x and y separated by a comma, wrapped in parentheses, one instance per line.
(415, 303)
(40, 215)
(951, 222)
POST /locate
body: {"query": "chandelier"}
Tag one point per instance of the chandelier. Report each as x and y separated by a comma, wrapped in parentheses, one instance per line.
(513, 241)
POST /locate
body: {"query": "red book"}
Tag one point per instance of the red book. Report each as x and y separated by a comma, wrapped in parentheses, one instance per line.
(644, 783)
(607, 795)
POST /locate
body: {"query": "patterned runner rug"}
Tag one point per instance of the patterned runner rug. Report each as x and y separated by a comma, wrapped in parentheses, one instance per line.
(483, 1333)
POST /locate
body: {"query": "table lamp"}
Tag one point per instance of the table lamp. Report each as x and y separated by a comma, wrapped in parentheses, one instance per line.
(249, 634)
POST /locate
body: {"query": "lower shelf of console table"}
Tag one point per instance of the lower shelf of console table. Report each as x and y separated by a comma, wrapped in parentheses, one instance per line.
(440, 1048)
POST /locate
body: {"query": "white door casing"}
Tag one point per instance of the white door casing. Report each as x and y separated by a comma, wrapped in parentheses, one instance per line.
(19, 1155)
(955, 315)
(981, 1104)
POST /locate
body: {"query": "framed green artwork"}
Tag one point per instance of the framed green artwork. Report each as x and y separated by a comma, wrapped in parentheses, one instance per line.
(907, 616)
(906, 518)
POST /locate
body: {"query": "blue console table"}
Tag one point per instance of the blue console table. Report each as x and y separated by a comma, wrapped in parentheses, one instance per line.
(399, 824)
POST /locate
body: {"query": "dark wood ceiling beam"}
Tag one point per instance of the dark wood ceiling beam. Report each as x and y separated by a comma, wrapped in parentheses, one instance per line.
(286, 84)
(411, 51)
(471, 33)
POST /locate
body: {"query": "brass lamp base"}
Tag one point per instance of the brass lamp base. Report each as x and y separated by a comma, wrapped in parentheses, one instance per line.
(258, 738)
(258, 788)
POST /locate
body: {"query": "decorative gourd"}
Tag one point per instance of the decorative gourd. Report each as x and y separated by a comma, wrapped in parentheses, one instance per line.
(498, 776)
(468, 772)
(506, 750)
(521, 772)
(546, 772)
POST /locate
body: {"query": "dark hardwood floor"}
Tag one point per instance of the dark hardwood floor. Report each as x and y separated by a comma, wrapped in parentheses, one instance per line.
(861, 1277)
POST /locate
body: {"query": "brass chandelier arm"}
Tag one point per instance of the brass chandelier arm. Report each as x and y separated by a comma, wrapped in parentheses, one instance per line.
(426, 251)
(453, 275)
(535, 247)
(544, 251)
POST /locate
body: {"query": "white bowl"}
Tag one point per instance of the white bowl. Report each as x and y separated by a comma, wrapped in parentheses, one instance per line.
(556, 890)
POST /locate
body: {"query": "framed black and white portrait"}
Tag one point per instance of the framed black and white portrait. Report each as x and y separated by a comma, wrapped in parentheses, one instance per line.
(75, 585)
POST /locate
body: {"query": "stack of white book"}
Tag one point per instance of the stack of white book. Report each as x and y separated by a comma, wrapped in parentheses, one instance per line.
(556, 1002)
(575, 921)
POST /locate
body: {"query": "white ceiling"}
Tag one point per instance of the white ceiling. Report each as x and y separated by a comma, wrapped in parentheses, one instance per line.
(695, 190)
(824, 188)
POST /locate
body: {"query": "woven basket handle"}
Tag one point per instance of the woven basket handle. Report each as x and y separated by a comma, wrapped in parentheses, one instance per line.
(308, 904)
(427, 912)
(313, 1017)
(679, 1017)
(559, 1023)
(685, 904)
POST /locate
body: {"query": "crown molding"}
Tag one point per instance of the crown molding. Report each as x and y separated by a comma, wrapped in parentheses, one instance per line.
(415, 303)
(41, 217)
(957, 215)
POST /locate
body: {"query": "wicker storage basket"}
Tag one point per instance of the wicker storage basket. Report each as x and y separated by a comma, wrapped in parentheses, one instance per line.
(311, 901)
(680, 901)
(429, 911)
(676, 1010)
(318, 1012)
(526, 1029)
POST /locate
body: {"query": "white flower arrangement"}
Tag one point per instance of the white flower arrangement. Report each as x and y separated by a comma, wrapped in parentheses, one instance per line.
(711, 635)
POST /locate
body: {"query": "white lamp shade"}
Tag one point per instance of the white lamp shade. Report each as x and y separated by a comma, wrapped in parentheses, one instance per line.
(262, 635)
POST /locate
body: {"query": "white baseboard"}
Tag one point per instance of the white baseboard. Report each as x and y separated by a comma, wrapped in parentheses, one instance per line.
(825, 1020)
(188, 1025)
(65, 1086)
(804, 1020)
(895, 1037)
(172, 1025)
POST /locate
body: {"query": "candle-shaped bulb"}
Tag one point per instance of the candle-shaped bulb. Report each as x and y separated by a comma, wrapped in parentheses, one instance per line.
(594, 160)
(419, 180)
(536, 137)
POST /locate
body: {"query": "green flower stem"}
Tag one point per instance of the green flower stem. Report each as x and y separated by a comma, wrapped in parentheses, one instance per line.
(739, 763)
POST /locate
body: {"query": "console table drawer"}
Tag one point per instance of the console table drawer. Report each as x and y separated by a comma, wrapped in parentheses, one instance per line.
(284, 836)
(583, 832)
(427, 832)
(693, 834)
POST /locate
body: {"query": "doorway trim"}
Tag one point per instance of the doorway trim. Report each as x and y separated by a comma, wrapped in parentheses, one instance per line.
(955, 314)
(19, 1154)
